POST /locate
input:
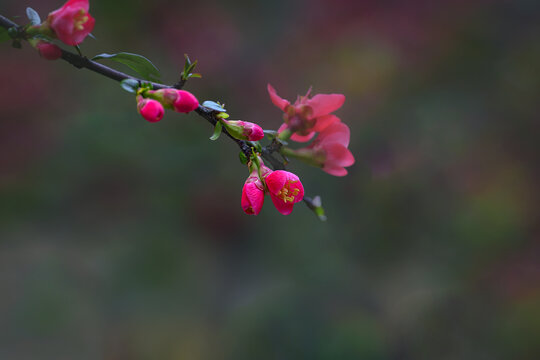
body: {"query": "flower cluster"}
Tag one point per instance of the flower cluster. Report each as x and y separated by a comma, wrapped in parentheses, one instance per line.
(71, 24)
(309, 116)
(308, 120)
(284, 187)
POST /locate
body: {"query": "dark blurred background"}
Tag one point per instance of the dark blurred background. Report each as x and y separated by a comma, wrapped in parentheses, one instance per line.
(121, 239)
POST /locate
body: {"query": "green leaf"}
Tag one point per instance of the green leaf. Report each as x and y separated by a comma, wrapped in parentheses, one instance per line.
(130, 85)
(315, 205)
(243, 158)
(33, 16)
(217, 131)
(4, 35)
(187, 63)
(138, 63)
(270, 133)
(196, 75)
(213, 106)
(44, 37)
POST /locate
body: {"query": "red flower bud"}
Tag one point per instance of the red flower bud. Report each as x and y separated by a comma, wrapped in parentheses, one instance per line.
(244, 130)
(253, 194)
(48, 51)
(185, 102)
(151, 110)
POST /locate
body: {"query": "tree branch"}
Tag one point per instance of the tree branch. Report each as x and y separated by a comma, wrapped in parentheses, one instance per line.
(82, 62)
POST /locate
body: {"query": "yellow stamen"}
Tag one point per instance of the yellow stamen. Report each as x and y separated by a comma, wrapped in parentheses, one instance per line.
(284, 192)
(80, 19)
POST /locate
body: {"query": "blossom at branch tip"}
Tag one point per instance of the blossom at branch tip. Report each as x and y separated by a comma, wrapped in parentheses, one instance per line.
(48, 51)
(253, 194)
(285, 190)
(243, 130)
(150, 109)
(72, 22)
(307, 115)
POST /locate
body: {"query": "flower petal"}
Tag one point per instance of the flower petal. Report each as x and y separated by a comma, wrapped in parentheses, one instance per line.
(285, 208)
(338, 155)
(302, 138)
(276, 100)
(324, 104)
(337, 132)
(323, 122)
(335, 170)
(276, 180)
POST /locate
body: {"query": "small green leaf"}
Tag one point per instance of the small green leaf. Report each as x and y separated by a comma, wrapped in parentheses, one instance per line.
(217, 131)
(4, 35)
(243, 157)
(187, 63)
(44, 37)
(270, 133)
(213, 106)
(130, 85)
(315, 205)
(33, 16)
(196, 75)
(138, 63)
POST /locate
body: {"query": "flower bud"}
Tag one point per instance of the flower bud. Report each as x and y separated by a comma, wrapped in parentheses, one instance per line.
(177, 100)
(243, 130)
(48, 51)
(253, 194)
(150, 109)
(185, 102)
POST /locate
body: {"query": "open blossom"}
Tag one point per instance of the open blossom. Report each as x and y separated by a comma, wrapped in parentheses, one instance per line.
(253, 194)
(307, 115)
(285, 190)
(243, 130)
(150, 109)
(330, 149)
(48, 51)
(72, 22)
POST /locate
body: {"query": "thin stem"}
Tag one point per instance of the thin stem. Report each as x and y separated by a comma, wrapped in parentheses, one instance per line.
(82, 62)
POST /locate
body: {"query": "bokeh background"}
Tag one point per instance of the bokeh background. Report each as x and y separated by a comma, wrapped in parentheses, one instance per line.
(121, 239)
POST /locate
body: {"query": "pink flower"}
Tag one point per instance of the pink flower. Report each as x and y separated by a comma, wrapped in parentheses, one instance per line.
(150, 109)
(185, 102)
(243, 130)
(253, 194)
(48, 51)
(72, 22)
(330, 149)
(307, 115)
(285, 190)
